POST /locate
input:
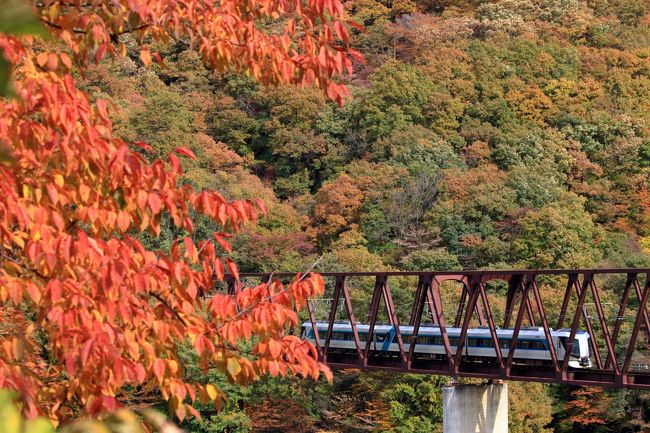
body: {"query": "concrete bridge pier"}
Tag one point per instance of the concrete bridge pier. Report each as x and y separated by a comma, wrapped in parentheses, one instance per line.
(479, 408)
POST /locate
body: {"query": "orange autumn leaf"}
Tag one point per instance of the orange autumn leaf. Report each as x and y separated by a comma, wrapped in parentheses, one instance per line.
(111, 312)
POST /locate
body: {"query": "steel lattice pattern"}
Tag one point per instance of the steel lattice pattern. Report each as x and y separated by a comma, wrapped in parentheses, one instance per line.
(613, 344)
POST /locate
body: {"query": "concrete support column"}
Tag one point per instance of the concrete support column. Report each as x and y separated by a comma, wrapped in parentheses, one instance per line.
(475, 408)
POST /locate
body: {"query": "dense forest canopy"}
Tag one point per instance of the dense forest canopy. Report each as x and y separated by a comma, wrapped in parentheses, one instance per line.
(480, 135)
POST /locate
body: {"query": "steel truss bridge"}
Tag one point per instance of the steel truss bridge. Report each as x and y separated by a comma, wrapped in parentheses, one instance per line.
(493, 299)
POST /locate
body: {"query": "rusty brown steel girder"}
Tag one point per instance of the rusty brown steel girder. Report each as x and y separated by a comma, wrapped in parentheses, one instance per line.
(613, 337)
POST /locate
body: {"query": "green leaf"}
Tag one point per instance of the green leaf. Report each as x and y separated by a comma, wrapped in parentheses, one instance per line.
(12, 422)
(6, 88)
(9, 417)
(17, 18)
(5, 155)
(38, 425)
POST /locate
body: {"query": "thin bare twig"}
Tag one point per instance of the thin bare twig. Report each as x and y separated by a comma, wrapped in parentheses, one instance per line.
(246, 310)
(16, 262)
(311, 268)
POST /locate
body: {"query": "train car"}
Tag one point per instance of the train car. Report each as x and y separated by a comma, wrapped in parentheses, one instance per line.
(532, 344)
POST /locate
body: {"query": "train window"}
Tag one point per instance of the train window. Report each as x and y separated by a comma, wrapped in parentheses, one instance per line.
(538, 345)
(338, 336)
(523, 344)
(481, 342)
(576, 349)
(438, 341)
(505, 344)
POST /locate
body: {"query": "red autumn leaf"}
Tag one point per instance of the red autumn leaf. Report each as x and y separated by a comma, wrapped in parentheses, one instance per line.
(185, 152)
(222, 243)
(158, 58)
(71, 190)
(357, 26)
(144, 146)
(159, 369)
(262, 206)
(232, 268)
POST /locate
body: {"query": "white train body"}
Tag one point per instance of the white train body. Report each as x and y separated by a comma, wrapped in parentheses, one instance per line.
(532, 345)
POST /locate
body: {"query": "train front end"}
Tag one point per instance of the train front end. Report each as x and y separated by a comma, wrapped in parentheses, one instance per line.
(580, 356)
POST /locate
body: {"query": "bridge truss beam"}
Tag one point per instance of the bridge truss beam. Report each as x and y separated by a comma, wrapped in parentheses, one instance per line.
(614, 341)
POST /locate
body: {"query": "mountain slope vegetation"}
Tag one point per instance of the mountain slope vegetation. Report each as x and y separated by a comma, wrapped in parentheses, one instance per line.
(480, 135)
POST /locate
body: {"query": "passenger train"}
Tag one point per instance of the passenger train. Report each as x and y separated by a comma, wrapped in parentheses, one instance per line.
(532, 344)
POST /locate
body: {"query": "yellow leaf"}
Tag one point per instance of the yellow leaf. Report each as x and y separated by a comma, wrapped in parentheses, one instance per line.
(233, 367)
(10, 419)
(19, 241)
(173, 366)
(211, 391)
(645, 243)
(58, 180)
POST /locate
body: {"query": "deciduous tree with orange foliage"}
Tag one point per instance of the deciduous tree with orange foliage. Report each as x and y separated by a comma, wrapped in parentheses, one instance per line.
(85, 309)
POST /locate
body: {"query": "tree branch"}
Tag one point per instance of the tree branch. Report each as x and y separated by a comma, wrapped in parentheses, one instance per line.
(162, 301)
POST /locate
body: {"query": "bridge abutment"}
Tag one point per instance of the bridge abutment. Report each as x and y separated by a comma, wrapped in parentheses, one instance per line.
(475, 408)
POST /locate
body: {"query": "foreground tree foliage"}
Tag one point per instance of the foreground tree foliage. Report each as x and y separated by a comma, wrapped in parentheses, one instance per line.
(122, 420)
(87, 309)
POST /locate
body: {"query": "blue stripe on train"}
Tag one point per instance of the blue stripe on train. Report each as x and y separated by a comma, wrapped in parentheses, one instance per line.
(388, 339)
(391, 336)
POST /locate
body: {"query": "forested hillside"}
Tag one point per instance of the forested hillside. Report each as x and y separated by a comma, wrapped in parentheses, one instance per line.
(480, 135)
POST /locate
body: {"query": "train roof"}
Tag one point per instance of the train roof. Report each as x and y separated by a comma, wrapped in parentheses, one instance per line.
(430, 329)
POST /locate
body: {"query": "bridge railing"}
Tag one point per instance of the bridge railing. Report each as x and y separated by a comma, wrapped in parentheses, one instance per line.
(609, 304)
